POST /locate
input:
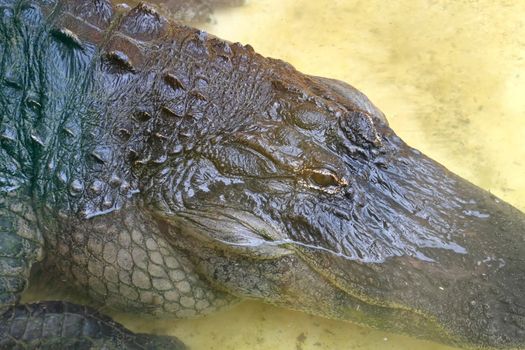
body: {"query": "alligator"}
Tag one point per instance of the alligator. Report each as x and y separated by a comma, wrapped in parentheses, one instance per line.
(162, 171)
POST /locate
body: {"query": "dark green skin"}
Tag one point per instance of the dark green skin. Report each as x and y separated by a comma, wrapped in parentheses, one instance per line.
(166, 172)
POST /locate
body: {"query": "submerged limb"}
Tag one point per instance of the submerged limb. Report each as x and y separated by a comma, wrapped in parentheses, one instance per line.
(56, 324)
(49, 324)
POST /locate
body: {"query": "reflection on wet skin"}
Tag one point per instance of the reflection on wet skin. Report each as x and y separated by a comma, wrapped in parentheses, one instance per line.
(446, 89)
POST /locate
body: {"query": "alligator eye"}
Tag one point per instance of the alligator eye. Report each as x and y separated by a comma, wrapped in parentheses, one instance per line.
(324, 178)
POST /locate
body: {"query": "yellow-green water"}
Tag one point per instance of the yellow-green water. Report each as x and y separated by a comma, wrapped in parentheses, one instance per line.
(449, 75)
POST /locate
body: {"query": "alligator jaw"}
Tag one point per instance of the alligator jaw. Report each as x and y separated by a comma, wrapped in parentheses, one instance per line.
(438, 257)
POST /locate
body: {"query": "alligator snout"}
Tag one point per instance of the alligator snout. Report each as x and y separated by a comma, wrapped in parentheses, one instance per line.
(435, 256)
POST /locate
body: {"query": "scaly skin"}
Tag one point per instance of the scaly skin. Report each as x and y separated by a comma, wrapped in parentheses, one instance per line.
(166, 172)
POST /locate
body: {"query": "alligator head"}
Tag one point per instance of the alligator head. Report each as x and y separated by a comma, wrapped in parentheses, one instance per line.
(287, 188)
(320, 207)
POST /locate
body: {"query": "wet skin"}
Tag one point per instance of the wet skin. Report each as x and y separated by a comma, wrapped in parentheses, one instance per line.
(166, 172)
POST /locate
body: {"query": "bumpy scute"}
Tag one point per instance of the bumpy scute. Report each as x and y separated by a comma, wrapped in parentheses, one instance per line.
(144, 23)
(98, 13)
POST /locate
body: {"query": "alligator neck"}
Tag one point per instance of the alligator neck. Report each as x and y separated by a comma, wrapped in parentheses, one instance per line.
(52, 123)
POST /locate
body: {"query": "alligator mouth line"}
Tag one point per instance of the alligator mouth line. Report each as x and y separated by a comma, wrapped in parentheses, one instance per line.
(359, 309)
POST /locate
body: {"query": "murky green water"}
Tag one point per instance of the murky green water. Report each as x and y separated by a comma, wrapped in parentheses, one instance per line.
(450, 76)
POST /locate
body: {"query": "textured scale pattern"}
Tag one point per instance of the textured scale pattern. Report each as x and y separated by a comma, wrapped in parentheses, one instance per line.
(126, 264)
(164, 171)
(158, 91)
